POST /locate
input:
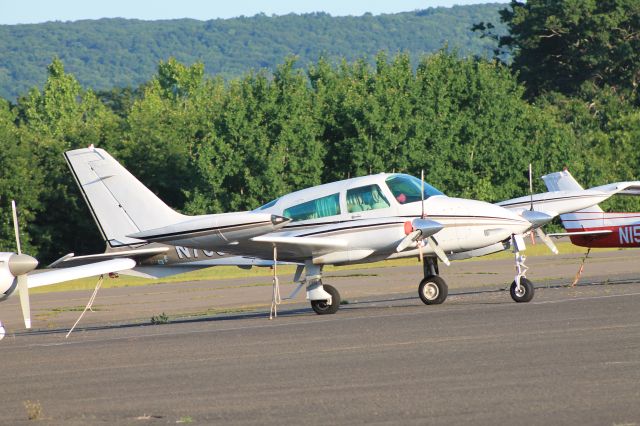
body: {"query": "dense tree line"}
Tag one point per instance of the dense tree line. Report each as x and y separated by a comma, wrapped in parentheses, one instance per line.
(207, 144)
(108, 53)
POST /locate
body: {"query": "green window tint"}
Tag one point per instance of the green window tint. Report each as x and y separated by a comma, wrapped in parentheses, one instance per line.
(314, 209)
(365, 198)
(406, 189)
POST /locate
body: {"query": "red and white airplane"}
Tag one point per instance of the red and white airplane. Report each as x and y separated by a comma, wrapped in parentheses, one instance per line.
(593, 227)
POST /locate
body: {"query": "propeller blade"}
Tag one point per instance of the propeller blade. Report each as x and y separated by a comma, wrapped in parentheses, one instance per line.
(547, 240)
(408, 240)
(23, 292)
(15, 226)
(438, 251)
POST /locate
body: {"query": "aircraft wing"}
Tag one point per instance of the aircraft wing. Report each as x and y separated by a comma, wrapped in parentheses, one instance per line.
(332, 243)
(620, 188)
(554, 203)
(71, 259)
(60, 275)
(311, 242)
(161, 271)
(157, 261)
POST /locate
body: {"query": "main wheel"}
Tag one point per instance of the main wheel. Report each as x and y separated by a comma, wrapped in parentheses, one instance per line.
(525, 293)
(321, 307)
(433, 290)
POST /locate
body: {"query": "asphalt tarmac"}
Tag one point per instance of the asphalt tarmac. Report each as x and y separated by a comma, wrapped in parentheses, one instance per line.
(571, 356)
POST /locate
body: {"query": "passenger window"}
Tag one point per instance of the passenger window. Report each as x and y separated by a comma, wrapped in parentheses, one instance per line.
(314, 209)
(365, 198)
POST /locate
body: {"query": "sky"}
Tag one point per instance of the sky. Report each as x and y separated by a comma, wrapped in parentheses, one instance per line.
(35, 11)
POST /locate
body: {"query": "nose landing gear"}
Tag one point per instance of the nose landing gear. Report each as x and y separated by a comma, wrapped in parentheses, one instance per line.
(433, 290)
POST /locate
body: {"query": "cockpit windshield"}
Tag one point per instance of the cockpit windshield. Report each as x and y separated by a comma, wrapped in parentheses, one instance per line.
(406, 188)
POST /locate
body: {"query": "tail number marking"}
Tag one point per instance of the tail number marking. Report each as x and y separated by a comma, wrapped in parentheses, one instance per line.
(629, 234)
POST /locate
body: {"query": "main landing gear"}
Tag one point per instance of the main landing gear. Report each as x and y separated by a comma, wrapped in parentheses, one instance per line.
(433, 290)
(324, 299)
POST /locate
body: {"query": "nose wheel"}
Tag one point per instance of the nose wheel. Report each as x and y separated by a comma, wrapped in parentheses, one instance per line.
(522, 289)
(524, 292)
(433, 290)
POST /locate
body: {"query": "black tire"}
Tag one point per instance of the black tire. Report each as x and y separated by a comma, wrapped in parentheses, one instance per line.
(321, 307)
(527, 292)
(433, 290)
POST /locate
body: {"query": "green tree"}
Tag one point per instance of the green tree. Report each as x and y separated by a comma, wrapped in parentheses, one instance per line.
(562, 45)
(479, 132)
(163, 128)
(19, 180)
(60, 118)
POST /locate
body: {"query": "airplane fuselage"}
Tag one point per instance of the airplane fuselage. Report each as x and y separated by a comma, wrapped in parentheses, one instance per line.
(624, 229)
(374, 225)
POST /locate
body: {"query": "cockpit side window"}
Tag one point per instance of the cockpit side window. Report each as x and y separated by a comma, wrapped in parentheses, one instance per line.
(368, 197)
(406, 189)
(314, 209)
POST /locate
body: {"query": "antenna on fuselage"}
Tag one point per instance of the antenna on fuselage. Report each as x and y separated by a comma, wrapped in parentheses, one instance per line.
(531, 187)
(422, 192)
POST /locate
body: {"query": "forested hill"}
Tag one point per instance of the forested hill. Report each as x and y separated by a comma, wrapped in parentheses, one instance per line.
(108, 53)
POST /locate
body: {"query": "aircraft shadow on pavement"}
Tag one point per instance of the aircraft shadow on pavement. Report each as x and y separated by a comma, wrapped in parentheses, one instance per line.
(306, 311)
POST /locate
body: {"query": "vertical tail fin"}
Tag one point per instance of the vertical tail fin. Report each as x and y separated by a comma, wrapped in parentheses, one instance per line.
(561, 181)
(564, 181)
(120, 204)
(582, 219)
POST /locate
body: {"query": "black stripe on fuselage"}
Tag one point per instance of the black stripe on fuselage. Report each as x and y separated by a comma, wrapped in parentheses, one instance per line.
(371, 225)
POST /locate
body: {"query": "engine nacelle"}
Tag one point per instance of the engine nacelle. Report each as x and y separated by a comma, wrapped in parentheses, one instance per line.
(11, 266)
(7, 279)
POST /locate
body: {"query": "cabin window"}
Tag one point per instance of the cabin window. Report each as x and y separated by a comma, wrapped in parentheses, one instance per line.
(366, 198)
(314, 209)
(406, 189)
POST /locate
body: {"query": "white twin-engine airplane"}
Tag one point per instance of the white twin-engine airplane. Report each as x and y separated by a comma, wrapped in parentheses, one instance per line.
(358, 220)
(15, 267)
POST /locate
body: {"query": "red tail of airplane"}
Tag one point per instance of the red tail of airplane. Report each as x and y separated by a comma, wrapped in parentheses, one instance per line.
(593, 227)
